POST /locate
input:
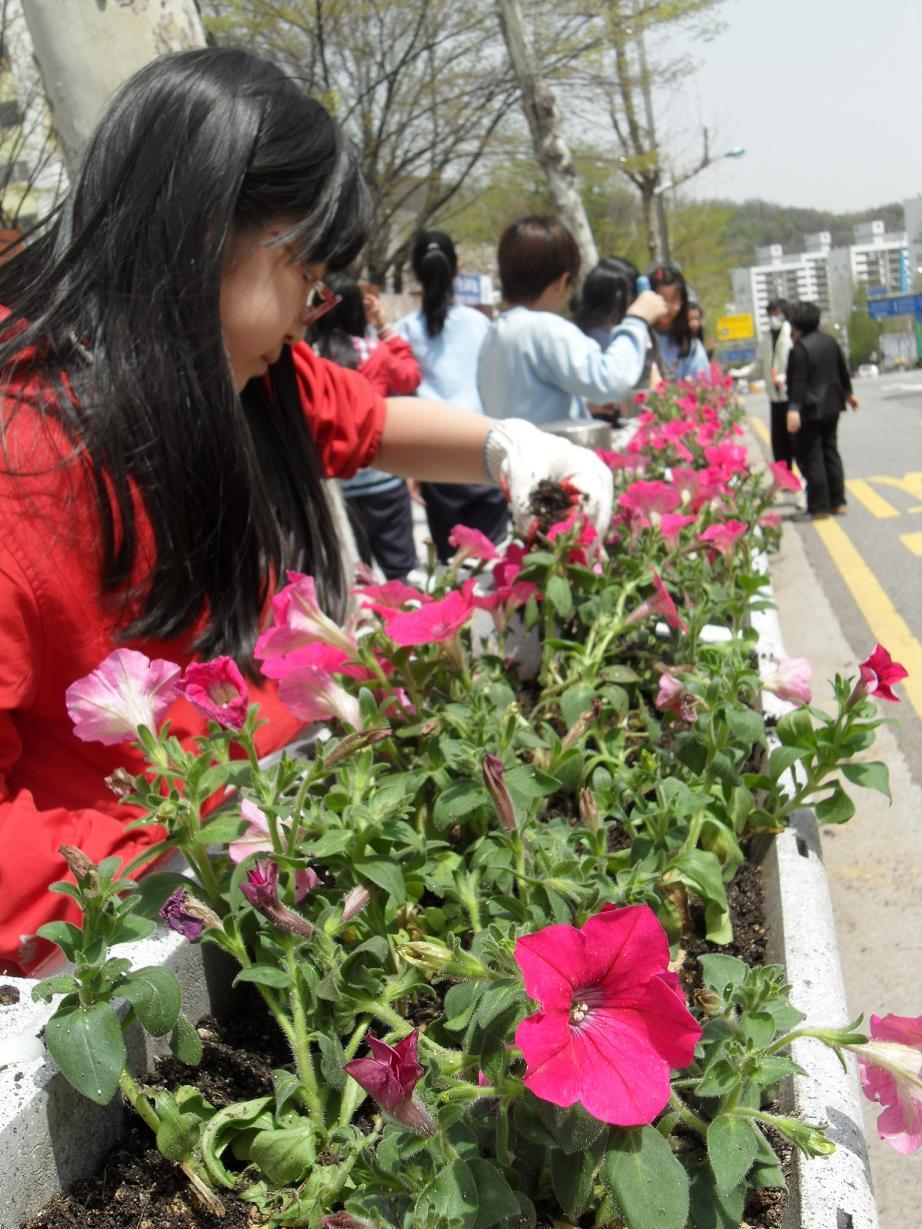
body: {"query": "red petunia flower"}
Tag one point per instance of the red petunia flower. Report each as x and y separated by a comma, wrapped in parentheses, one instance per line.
(613, 1020)
(878, 673)
(390, 1076)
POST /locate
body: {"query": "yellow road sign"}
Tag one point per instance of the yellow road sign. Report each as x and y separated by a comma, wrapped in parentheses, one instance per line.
(735, 328)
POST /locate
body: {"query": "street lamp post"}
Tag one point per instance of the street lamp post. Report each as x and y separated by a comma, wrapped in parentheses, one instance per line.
(735, 151)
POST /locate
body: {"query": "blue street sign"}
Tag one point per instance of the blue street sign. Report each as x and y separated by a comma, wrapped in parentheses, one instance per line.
(737, 354)
(896, 305)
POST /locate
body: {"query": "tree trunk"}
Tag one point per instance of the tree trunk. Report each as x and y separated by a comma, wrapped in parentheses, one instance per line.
(550, 145)
(87, 48)
(47, 177)
(650, 226)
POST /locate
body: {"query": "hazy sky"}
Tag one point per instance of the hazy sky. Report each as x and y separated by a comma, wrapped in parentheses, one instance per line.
(825, 96)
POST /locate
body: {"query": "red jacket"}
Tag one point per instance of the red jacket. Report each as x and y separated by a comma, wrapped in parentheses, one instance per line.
(391, 369)
(55, 627)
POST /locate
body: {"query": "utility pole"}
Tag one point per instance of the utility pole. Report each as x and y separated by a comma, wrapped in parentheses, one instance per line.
(85, 50)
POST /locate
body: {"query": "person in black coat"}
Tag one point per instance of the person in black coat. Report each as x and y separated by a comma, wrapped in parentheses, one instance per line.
(819, 387)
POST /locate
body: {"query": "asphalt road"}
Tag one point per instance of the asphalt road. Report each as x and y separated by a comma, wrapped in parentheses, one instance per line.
(870, 561)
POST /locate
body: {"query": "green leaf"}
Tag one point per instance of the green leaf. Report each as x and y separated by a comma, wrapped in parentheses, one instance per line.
(835, 808)
(458, 800)
(720, 972)
(67, 937)
(559, 595)
(87, 1045)
(573, 1177)
(710, 1209)
(795, 729)
(221, 831)
(575, 701)
(130, 928)
(220, 1130)
(453, 1194)
(573, 1128)
(155, 995)
(332, 1058)
(61, 983)
(745, 724)
(264, 975)
(870, 776)
(495, 1197)
(759, 1027)
(185, 1043)
(701, 871)
(284, 1155)
(781, 759)
(719, 1078)
(648, 1181)
(732, 1147)
(178, 1133)
(386, 873)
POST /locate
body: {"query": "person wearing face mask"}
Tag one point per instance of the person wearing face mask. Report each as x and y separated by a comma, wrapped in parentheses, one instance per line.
(775, 352)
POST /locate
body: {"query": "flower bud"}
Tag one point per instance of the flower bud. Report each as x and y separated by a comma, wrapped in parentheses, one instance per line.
(582, 725)
(589, 811)
(354, 902)
(82, 869)
(261, 890)
(494, 777)
(121, 783)
(355, 742)
(709, 1002)
(810, 1139)
(437, 959)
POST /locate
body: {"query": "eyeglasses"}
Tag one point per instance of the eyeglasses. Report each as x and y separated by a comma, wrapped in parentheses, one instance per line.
(327, 301)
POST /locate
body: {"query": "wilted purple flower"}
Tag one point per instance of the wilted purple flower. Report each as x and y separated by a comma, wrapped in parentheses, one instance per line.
(495, 779)
(187, 916)
(344, 1220)
(261, 890)
(390, 1076)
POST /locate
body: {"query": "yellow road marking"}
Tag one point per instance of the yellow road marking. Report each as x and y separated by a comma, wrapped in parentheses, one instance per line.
(911, 483)
(913, 541)
(761, 430)
(887, 625)
(865, 493)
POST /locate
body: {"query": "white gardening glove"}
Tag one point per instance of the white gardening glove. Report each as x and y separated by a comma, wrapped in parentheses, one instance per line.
(518, 456)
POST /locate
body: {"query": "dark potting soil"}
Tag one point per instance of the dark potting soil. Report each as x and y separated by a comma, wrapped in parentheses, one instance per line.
(137, 1189)
(550, 504)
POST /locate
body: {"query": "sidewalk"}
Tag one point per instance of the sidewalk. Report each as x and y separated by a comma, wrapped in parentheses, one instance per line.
(874, 862)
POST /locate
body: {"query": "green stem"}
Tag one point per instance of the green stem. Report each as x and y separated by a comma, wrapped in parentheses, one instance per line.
(300, 1043)
(688, 1116)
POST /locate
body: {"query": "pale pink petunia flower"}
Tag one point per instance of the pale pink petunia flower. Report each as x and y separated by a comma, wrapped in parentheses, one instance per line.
(790, 680)
(126, 691)
(613, 1021)
(891, 1073)
(673, 697)
(255, 837)
(313, 694)
(299, 621)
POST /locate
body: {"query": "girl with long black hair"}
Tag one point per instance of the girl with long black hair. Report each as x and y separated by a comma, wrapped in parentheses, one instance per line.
(681, 355)
(165, 431)
(445, 338)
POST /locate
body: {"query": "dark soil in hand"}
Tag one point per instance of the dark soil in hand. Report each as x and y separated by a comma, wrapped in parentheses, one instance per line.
(550, 503)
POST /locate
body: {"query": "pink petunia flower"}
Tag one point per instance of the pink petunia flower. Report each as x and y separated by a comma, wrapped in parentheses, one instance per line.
(126, 691)
(298, 621)
(613, 1020)
(218, 690)
(312, 693)
(660, 603)
(671, 526)
(390, 1077)
(783, 479)
(891, 1073)
(673, 697)
(255, 838)
(724, 536)
(433, 623)
(392, 594)
(790, 680)
(470, 544)
(878, 672)
(645, 502)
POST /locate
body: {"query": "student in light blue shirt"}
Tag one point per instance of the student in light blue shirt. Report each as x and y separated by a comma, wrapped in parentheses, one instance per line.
(681, 355)
(446, 338)
(538, 366)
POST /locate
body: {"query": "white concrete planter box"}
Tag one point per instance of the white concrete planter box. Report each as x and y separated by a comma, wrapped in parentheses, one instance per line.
(50, 1137)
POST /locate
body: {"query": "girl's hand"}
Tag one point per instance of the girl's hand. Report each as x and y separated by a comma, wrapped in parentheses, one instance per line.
(648, 306)
(793, 421)
(852, 401)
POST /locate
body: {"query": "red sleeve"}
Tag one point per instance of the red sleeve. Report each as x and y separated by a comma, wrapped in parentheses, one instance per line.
(29, 836)
(391, 368)
(345, 414)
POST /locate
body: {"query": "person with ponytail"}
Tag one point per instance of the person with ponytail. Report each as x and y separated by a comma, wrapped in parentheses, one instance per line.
(378, 503)
(445, 338)
(682, 355)
(165, 433)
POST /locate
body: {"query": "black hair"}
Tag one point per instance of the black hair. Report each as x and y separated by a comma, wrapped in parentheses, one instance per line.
(805, 317)
(694, 305)
(679, 331)
(117, 303)
(606, 294)
(778, 305)
(435, 263)
(534, 252)
(331, 335)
